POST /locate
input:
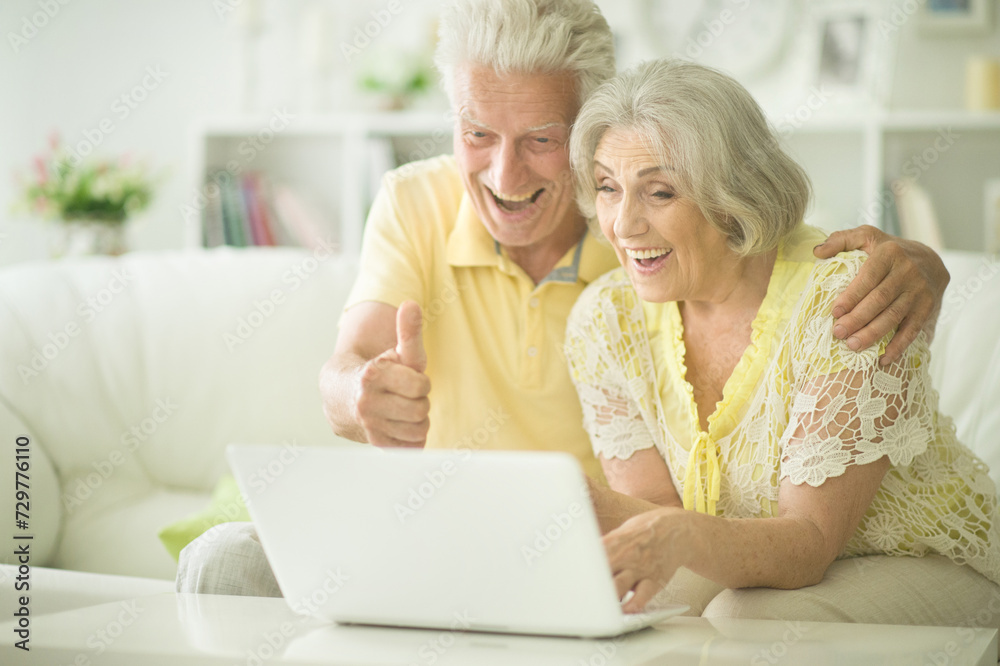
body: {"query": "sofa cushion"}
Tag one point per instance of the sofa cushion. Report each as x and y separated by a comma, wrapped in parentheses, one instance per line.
(227, 506)
(965, 354)
(120, 536)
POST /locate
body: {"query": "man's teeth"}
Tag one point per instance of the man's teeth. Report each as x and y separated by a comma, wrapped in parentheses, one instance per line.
(646, 254)
(510, 197)
(515, 199)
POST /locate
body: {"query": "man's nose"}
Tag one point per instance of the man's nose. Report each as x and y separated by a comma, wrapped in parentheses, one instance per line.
(508, 171)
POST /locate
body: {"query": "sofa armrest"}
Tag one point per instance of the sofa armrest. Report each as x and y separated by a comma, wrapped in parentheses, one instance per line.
(43, 492)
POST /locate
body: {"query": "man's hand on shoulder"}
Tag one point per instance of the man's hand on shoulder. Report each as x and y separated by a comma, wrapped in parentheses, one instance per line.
(900, 287)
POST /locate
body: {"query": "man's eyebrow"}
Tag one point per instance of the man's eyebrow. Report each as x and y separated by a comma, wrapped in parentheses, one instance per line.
(545, 126)
(472, 121)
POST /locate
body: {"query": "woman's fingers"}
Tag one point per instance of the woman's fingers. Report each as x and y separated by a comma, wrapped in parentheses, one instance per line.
(624, 581)
(641, 561)
(645, 590)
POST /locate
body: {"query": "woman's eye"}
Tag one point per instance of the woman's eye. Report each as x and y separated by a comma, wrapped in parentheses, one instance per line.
(542, 139)
(478, 134)
(663, 195)
(604, 188)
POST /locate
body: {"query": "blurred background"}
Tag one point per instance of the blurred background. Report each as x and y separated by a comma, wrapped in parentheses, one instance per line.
(161, 125)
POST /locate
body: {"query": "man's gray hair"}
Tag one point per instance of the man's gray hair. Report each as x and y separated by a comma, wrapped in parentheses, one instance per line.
(527, 36)
(709, 130)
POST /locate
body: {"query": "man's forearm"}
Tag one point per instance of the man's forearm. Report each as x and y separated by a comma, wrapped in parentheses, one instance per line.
(338, 387)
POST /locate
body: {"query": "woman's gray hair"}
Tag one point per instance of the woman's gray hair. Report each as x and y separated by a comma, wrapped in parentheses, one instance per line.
(710, 131)
(527, 36)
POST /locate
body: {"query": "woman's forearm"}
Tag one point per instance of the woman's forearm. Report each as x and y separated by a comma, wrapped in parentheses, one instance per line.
(638, 484)
(785, 553)
(614, 508)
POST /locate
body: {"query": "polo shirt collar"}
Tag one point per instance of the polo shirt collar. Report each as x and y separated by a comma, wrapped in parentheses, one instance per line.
(470, 244)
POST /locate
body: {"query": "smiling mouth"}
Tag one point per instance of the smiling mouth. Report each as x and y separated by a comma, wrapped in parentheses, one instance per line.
(514, 204)
(648, 258)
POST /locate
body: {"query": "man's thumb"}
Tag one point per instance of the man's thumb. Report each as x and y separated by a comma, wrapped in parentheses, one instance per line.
(409, 340)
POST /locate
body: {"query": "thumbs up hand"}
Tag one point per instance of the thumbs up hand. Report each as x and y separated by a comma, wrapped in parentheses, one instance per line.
(409, 336)
(391, 402)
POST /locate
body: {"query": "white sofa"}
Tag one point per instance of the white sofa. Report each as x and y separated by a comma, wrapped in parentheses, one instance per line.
(148, 365)
(129, 376)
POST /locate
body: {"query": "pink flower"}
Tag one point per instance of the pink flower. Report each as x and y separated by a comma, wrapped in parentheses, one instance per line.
(43, 175)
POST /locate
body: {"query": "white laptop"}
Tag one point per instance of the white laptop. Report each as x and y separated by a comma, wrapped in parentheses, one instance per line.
(482, 541)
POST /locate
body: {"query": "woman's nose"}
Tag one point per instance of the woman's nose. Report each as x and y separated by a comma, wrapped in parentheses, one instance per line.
(631, 220)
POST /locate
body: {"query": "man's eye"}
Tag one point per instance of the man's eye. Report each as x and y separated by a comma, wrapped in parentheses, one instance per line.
(478, 134)
(542, 139)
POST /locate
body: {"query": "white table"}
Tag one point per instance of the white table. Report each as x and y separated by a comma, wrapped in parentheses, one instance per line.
(203, 629)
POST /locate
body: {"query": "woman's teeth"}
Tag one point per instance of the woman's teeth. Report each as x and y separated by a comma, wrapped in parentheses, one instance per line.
(646, 254)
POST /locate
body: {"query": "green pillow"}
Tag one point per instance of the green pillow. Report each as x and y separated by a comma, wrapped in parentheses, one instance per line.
(227, 506)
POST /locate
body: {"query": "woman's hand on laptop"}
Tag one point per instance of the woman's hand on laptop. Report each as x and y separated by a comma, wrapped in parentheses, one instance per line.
(644, 554)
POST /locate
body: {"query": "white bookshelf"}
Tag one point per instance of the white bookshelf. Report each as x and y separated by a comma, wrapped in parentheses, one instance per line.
(335, 162)
(851, 160)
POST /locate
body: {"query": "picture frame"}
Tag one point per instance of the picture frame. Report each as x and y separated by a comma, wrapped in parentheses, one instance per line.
(956, 17)
(852, 55)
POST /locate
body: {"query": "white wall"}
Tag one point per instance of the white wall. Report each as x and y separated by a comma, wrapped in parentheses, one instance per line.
(69, 75)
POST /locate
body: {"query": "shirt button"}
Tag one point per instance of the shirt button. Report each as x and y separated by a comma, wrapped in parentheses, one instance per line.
(533, 303)
(532, 351)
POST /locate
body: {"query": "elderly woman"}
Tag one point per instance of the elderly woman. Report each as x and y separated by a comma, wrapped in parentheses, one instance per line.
(716, 395)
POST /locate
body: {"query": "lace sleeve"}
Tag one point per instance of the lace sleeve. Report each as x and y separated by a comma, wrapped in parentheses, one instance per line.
(599, 352)
(845, 408)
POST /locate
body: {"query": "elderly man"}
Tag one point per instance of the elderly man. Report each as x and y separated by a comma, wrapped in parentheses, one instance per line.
(491, 245)
(472, 262)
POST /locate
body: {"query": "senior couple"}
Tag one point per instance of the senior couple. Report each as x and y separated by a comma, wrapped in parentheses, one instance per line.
(771, 447)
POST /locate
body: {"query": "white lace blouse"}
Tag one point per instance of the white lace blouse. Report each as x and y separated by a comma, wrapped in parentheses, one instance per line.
(799, 405)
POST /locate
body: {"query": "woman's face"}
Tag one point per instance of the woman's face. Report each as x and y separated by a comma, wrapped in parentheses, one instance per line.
(668, 248)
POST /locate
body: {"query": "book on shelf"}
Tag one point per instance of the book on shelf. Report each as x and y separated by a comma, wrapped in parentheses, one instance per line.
(300, 218)
(213, 234)
(253, 211)
(917, 219)
(991, 206)
(234, 215)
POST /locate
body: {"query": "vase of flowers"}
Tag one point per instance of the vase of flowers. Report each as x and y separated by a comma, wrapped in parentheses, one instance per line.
(90, 201)
(398, 78)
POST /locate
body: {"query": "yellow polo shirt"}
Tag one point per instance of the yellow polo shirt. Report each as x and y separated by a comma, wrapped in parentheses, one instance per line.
(494, 339)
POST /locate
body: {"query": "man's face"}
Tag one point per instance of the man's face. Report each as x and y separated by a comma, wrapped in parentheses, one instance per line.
(512, 148)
